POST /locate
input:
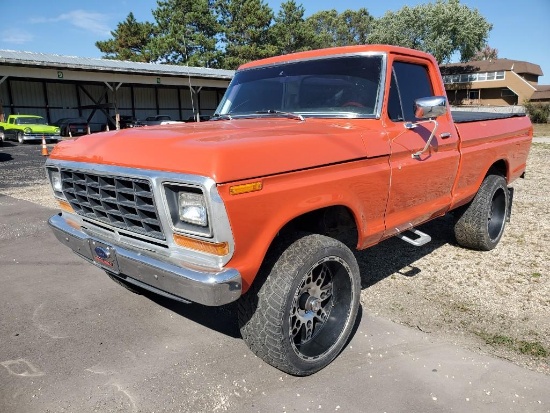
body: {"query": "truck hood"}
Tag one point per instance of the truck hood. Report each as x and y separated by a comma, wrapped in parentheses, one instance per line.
(225, 150)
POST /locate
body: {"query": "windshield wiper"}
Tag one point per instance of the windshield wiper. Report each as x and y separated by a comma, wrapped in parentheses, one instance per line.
(281, 113)
(217, 116)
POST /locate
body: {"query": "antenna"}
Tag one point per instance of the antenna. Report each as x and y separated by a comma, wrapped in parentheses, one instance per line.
(197, 117)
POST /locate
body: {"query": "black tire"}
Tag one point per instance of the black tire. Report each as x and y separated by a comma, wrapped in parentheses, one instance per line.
(300, 318)
(20, 137)
(120, 281)
(481, 224)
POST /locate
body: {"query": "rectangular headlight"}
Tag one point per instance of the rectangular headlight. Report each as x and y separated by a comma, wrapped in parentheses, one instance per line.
(192, 208)
(55, 180)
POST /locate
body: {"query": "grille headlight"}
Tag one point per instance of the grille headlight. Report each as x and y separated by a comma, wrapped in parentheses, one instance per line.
(192, 208)
(56, 181)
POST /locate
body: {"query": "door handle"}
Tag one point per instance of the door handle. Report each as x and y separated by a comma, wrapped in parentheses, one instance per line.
(445, 135)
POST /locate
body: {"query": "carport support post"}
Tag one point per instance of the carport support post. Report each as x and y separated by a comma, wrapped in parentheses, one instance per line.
(196, 92)
(114, 90)
(2, 119)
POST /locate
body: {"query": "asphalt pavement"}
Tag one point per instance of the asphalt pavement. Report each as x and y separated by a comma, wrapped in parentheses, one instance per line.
(71, 340)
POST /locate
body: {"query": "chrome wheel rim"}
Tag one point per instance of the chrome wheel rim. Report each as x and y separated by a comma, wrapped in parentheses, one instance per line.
(320, 309)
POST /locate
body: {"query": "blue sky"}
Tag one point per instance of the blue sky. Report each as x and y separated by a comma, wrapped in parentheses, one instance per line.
(70, 27)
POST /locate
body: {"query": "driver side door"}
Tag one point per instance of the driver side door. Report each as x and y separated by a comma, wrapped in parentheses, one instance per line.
(421, 186)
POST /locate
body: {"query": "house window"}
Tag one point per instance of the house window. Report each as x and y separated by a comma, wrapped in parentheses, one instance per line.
(506, 92)
(473, 94)
(473, 77)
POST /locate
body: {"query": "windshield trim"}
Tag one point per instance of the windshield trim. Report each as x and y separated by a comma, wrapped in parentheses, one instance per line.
(379, 99)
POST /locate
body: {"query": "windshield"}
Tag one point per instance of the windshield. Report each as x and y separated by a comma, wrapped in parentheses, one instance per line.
(344, 86)
(31, 121)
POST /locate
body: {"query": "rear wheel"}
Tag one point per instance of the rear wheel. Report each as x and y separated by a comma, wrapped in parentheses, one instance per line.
(301, 317)
(481, 224)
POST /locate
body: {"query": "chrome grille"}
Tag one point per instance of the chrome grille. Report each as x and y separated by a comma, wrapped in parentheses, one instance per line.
(122, 202)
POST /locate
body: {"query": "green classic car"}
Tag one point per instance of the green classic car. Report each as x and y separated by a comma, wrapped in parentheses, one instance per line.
(25, 128)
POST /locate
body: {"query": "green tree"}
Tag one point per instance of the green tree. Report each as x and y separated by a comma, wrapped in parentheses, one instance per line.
(130, 41)
(186, 33)
(441, 28)
(245, 31)
(289, 32)
(331, 28)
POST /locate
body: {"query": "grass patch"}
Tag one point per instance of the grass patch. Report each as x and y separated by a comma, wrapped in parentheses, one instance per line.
(541, 129)
(529, 348)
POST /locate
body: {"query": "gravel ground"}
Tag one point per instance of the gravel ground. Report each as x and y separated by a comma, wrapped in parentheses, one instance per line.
(495, 302)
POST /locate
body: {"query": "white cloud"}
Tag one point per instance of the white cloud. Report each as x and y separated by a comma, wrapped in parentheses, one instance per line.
(16, 36)
(89, 21)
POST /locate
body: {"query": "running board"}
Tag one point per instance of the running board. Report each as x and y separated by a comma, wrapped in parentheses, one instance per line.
(421, 238)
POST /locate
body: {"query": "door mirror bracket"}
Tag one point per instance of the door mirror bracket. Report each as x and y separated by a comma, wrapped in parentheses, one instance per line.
(427, 109)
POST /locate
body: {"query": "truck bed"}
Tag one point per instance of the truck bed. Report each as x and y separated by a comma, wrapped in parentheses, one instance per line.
(464, 117)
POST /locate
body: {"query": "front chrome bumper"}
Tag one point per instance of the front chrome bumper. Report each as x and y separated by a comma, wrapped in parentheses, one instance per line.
(39, 136)
(211, 288)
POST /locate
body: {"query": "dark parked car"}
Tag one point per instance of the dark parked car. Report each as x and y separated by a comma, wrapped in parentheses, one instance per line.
(72, 126)
(203, 118)
(128, 121)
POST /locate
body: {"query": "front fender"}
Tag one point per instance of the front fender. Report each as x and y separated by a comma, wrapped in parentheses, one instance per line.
(257, 217)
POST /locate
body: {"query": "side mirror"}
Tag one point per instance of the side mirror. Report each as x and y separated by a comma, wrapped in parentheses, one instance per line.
(430, 107)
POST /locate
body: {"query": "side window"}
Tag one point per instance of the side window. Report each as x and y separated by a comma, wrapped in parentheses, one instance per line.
(395, 111)
(409, 82)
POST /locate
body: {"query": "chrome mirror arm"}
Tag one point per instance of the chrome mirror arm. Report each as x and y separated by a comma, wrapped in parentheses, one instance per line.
(411, 125)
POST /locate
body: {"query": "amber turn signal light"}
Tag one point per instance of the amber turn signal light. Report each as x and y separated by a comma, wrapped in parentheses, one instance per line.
(245, 188)
(65, 206)
(216, 248)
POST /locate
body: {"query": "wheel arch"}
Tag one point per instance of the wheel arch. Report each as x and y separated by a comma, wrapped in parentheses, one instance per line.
(335, 221)
(500, 167)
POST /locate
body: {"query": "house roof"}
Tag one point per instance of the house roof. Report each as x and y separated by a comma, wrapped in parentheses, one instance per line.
(542, 93)
(33, 59)
(493, 65)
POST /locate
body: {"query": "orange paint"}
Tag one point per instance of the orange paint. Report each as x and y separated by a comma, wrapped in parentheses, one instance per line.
(270, 171)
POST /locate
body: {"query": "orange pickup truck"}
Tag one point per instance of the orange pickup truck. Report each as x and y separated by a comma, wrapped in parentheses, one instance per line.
(309, 156)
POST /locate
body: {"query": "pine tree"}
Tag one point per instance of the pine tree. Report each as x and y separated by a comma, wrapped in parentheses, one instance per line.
(245, 31)
(290, 33)
(187, 33)
(130, 41)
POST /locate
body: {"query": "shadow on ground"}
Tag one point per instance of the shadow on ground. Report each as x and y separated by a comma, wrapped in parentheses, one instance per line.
(397, 256)
(376, 263)
(5, 157)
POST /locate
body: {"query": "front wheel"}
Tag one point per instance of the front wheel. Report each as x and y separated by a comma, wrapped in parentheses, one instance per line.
(481, 224)
(20, 137)
(301, 317)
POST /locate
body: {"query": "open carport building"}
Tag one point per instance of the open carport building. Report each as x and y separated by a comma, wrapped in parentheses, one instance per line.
(55, 86)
